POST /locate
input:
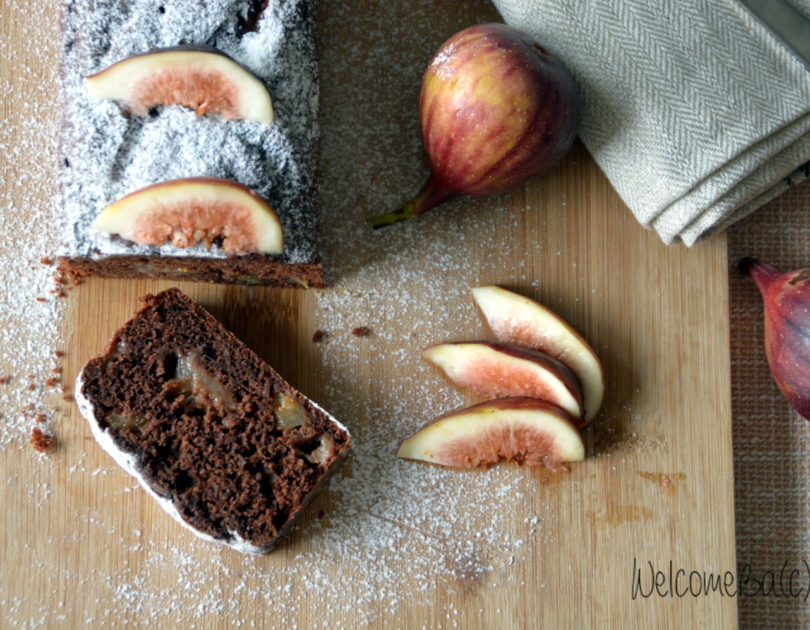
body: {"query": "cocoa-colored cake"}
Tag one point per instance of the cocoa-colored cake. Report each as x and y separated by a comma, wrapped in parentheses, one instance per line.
(107, 153)
(226, 446)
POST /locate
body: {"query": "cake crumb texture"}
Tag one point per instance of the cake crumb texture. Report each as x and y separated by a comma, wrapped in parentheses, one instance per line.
(207, 425)
(41, 441)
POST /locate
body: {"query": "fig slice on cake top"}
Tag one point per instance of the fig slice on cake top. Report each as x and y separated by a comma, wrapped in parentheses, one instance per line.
(516, 319)
(189, 211)
(498, 370)
(525, 430)
(203, 79)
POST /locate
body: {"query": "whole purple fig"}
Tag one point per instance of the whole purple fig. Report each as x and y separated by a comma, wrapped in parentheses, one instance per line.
(496, 108)
(787, 328)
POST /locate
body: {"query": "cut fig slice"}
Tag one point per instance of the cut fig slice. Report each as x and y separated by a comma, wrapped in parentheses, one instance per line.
(499, 370)
(525, 430)
(186, 212)
(203, 79)
(516, 319)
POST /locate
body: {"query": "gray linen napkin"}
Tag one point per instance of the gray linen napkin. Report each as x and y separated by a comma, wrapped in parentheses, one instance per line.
(696, 112)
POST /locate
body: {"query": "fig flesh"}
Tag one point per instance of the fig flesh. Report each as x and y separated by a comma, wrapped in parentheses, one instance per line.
(205, 80)
(525, 430)
(787, 329)
(496, 109)
(189, 211)
(516, 319)
(499, 370)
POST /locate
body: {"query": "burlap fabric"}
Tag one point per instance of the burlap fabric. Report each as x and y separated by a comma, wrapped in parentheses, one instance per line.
(771, 441)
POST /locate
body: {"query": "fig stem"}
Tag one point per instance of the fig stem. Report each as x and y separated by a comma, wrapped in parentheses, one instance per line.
(432, 194)
(389, 218)
(762, 273)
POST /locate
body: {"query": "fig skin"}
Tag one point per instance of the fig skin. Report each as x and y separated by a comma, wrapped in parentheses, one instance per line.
(464, 438)
(201, 78)
(517, 319)
(472, 370)
(787, 328)
(194, 210)
(496, 109)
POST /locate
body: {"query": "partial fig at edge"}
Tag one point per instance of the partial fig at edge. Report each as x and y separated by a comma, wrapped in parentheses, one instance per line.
(786, 298)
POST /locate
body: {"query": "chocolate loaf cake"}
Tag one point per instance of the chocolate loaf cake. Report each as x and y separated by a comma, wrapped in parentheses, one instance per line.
(226, 446)
(108, 153)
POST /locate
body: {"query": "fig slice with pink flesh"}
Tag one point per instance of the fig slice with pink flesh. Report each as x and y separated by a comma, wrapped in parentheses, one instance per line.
(525, 430)
(517, 319)
(498, 370)
(189, 211)
(203, 79)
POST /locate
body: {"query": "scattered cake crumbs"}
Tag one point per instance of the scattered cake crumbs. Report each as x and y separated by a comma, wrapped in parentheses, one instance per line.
(58, 354)
(41, 299)
(4, 380)
(41, 418)
(318, 336)
(41, 441)
(54, 381)
(362, 331)
(67, 398)
(46, 260)
(32, 387)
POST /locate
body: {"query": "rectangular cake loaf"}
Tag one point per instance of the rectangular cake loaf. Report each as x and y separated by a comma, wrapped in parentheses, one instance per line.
(108, 153)
(225, 444)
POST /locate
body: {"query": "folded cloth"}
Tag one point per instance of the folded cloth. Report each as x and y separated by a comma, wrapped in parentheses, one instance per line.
(695, 110)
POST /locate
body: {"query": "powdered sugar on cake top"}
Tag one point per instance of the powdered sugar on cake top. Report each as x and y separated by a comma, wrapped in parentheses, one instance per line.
(108, 155)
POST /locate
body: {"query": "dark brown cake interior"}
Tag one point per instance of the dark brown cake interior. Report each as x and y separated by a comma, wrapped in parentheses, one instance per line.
(213, 427)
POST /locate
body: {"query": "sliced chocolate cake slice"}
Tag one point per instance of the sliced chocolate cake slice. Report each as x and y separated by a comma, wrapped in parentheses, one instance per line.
(225, 444)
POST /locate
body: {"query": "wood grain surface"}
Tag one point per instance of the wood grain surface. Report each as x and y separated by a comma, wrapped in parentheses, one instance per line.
(657, 485)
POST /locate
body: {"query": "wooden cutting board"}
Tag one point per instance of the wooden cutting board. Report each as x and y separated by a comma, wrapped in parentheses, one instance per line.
(395, 544)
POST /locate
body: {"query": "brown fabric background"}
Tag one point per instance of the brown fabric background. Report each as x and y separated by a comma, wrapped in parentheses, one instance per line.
(771, 441)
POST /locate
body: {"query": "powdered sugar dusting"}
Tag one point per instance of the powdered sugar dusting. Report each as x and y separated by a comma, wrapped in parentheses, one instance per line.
(28, 134)
(108, 155)
(394, 531)
(397, 522)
